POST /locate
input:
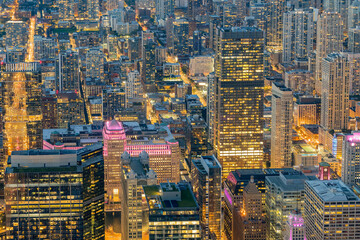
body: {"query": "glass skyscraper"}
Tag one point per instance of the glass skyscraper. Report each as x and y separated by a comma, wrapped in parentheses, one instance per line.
(55, 194)
(239, 89)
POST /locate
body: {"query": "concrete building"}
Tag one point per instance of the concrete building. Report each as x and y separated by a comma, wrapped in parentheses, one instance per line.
(335, 92)
(16, 34)
(201, 65)
(95, 64)
(135, 174)
(329, 40)
(331, 211)
(206, 182)
(281, 126)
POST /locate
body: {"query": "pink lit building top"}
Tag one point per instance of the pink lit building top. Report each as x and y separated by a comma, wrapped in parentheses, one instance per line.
(113, 129)
(295, 227)
(353, 138)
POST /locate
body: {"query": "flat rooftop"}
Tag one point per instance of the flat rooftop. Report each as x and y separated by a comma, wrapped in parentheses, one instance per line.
(332, 191)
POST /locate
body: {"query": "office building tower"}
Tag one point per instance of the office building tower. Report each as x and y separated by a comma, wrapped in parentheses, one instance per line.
(114, 145)
(331, 211)
(15, 55)
(281, 126)
(67, 72)
(335, 92)
(56, 194)
(149, 66)
(169, 27)
(210, 107)
(181, 37)
(21, 107)
(49, 112)
(258, 12)
(354, 14)
(206, 182)
(95, 63)
(44, 48)
(354, 40)
(89, 10)
(133, 86)
(71, 110)
(112, 47)
(350, 159)
(164, 8)
(16, 34)
(295, 227)
(239, 98)
(338, 6)
(135, 174)
(173, 211)
(329, 40)
(196, 135)
(251, 222)
(113, 100)
(275, 21)
(66, 9)
(298, 34)
(284, 194)
(158, 143)
(234, 189)
(354, 74)
(215, 21)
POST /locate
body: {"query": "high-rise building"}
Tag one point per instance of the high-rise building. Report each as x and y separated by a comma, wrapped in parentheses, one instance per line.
(95, 63)
(135, 174)
(173, 212)
(133, 86)
(335, 92)
(252, 222)
(44, 48)
(70, 110)
(329, 39)
(56, 194)
(354, 40)
(206, 182)
(351, 159)
(66, 9)
(16, 34)
(181, 37)
(158, 143)
(295, 227)
(21, 107)
(234, 189)
(284, 194)
(281, 126)
(275, 20)
(164, 8)
(331, 211)
(354, 14)
(113, 100)
(307, 110)
(354, 74)
(239, 98)
(298, 34)
(67, 72)
(149, 66)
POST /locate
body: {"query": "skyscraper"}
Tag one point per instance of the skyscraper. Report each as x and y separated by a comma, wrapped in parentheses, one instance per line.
(354, 14)
(95, 63)
(56, 194)
(329, 39)
(133, 86)
(281, 126)
(44, 48)
(252, 222)
(354, 40)
(298, 34)
(21, 106)
(66, 9)
(351, 159)
(275, 20)
(206, 182)
(331, 211)
(16, 34)
(335, 92)
(181, 37)
(239, 98)
(67, 72)
(135, 174)
(164, 8)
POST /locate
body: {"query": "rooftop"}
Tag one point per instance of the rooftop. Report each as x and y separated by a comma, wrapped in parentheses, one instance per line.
(332, 191)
